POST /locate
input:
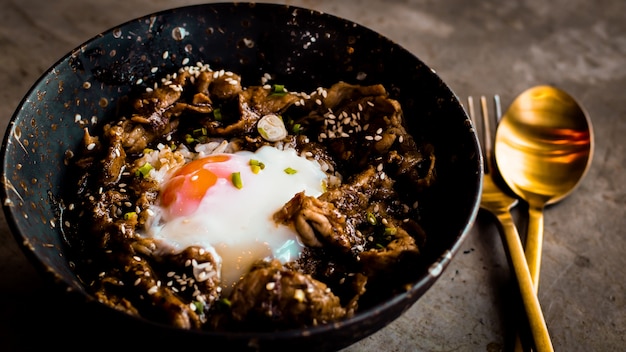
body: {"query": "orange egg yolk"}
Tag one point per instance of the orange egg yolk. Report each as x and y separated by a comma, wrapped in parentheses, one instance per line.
(184, 191)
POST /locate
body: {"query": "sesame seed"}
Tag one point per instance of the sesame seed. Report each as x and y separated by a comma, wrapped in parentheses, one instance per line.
(270, 285)
(369, 138)
(299, 295)
(378, 137)
(153, 290)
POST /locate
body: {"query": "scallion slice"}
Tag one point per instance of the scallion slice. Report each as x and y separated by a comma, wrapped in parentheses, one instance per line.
(235, 178)
(144, 170)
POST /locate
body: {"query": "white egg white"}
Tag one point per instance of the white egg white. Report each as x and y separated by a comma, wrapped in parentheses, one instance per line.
(236, 223)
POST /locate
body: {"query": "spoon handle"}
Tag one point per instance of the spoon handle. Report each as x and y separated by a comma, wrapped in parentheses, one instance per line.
(534, 242)
(537, 323)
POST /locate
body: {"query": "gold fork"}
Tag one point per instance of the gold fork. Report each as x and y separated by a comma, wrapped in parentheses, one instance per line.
(498, 203)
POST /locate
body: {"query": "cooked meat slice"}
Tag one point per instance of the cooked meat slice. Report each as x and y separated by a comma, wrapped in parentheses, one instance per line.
(142, 291)
(341, 93)
(382, 259)
(272, 296)
(223, 86)
(337, 215)
(114, 162)
(253, 103)
(315, 221)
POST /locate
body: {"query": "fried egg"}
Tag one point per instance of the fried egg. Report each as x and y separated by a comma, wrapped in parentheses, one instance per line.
(225, 203)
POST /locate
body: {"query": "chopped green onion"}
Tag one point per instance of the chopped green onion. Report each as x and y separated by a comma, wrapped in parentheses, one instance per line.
(200, 132)
(371, 218)
(278, 90)
(256, 166)
(296, 128)
(217, 114)
(224, 303)
(144, 170)
(380, 246)
(290, 171)
(272, 128)
(235, 177)
(199, 306)
(390, 231)
(147, 151)
(130, 215)
(189, 139)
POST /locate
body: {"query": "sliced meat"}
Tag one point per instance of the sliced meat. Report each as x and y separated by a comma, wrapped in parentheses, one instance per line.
(271, 296)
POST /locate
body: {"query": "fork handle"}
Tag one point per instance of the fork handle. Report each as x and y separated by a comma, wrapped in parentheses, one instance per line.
(537, 323)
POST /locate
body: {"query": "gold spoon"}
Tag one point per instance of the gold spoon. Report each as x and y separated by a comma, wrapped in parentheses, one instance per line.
(543, 148)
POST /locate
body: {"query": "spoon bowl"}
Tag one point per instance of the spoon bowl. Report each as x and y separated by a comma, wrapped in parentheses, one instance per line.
(543, 148)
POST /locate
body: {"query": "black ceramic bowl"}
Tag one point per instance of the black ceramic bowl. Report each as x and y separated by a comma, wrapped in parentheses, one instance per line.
(304, 49)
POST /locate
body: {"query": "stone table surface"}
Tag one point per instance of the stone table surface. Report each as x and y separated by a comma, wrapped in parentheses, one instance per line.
(479, 48)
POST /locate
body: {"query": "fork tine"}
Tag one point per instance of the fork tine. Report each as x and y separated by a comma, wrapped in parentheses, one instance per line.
(472, 114)
(497, 107)
(487, 143)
